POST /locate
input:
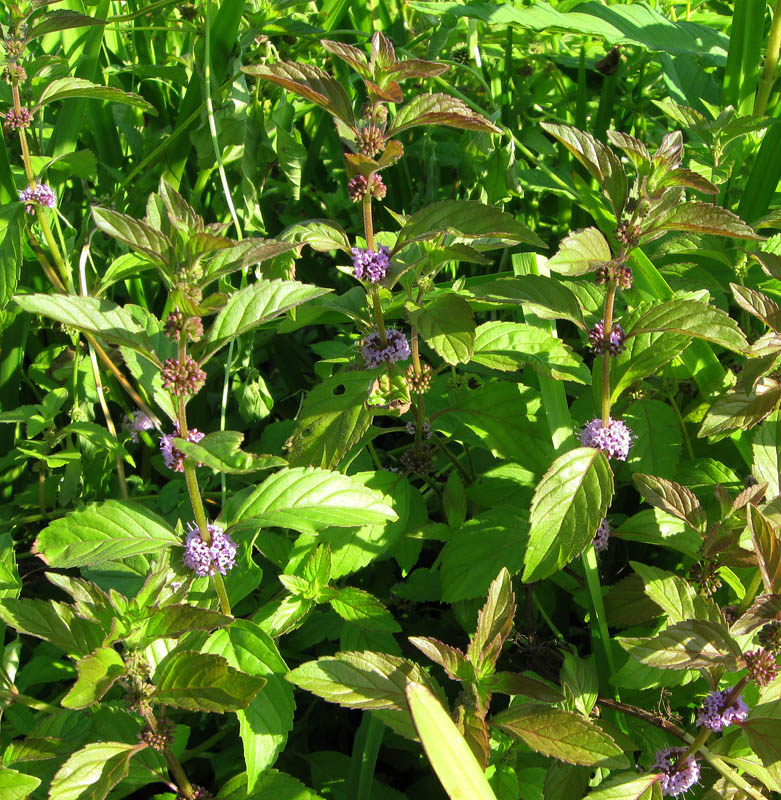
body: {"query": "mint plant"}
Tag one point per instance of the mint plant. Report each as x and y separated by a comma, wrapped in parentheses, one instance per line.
(406, 373)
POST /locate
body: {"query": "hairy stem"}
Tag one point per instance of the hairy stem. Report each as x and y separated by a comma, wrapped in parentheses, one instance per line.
(608, 327)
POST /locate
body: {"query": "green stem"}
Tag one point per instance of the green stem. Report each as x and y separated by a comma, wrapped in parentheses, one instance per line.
(607, 329)
(771, 63)
(38, 705)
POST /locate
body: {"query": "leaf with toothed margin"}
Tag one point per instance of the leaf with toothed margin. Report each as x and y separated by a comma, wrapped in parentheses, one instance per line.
(439, 109)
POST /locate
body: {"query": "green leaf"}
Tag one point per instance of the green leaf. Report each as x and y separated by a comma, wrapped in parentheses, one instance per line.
(447, 326)
(102, 532)
(580, 683)
(203, 682)
(451, 659)
(16, 785)
(332, 420)
(465, 219)
(310, 82)
(439, 109)
(767, 454)
(10, 259)
(101, 317)
(97, 673)
(55, 622)
(767, 545)
(568, 506)
(675, 596)
(600, 161)
(92, 772)
(672, 498)
(307, 499)
(513, 684)
(494, 623)
(363, 609)
(451, 757)
(60, 20)
(320, 234)
(66, 88)
(691, 644)
(700, 218)
(763, 730)
(136, 234)
(629, 787)
(265, 723)
(581, 252)
(271, 785)
(545, 297)
(758, 304)
(475, 553)
(657, 445)
(176, 620)
(560, 734)
(222, 452)
(740, 409)
(255, 305)
(509, 346)
(694, 319)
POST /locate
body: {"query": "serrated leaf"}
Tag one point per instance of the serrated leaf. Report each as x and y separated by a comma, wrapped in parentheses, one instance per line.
(600, 161)
(451, 659)
(494, 623)
(364, 610)
(691, 644)
(320, 234)
(672, 498)
(55, 622)
(674, 595)
(447, 326)
(767, 545)
(92, 772)
(10, 259)
(366, 680)
(310, 82)
(633, 147)
(770, 262)
(457, 768)
(509, 346)
(692, 318)
(758, 304)
(222, 452)
(60, 20)
(740, 409)
(176, 620)
(514, 684)
(560, 734)
(307, 499)
(102, 532)
(271, 785)
(568, 506)
(16, 785)
(97, 673)
(67, 88)
(105, 319)
(465, 219)
(581, 252)
(332, 420)
(439, 109)
(766, 448)
(629, 786)
(203, 682)
(351, 55)
(701, 218)
(545, 297)
(766, 608)
(763, 730)
(267, 720)
(657, 445)
(255, 305)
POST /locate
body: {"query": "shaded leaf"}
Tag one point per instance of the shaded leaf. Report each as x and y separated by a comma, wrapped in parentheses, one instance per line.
(175, 620)
(222, 452)
(568, 506)
(494, 623)
(765, 536)
(513, 684)
(766, 608)
(10, 259)
(763, 730)
(320, 234)
(758, 304)
(363, 609)
(60, 20)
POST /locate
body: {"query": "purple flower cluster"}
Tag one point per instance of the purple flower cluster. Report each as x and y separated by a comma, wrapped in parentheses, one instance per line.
(596, 337)
(135, 422)
(182, 377)
(13, 121)
(396, 348)
(675, 781)
(716, 716)
(39, 195)
(370, 265)
(173, 456)
(602, 536)
(615, 439)
(219, 555)
(359, 186)
(411, 428)
(761, 665)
